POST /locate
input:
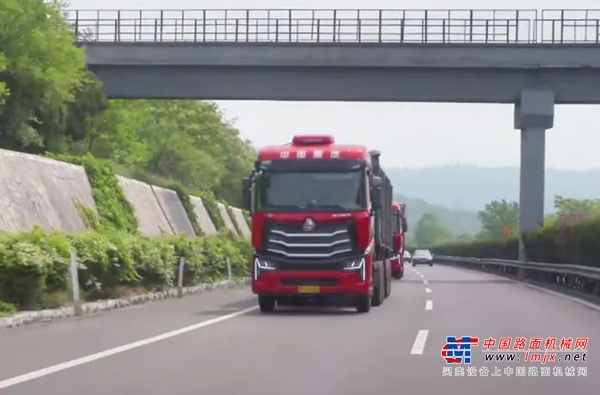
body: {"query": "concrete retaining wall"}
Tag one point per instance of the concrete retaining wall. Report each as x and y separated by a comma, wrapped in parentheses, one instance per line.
(238, 217)
(40, 191)
(225, 215)
(151, 218)
(174, 211)
(203, 217)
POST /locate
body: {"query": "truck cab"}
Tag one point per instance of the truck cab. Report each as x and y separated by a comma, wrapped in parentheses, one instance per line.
(316, 208)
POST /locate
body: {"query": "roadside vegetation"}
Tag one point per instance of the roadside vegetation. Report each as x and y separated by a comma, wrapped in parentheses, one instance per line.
(570, 236)
(51, 105)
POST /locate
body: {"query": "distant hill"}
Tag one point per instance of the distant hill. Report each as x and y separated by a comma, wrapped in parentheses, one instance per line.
(470, 188)
(458, 221)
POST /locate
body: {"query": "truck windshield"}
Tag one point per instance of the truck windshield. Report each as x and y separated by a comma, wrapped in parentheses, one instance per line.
(312, 191)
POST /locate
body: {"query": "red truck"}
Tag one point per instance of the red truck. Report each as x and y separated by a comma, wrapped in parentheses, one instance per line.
(321, 225)
(399, 228)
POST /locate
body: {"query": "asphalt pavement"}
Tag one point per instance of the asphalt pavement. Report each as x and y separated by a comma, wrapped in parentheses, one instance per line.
(218, 343)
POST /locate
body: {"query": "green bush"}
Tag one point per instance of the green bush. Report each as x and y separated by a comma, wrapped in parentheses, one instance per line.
(574, 244)
(210, 204)
(34, 266)
(115, 211)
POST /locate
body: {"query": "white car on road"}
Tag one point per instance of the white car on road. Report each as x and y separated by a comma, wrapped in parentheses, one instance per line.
(422, 257)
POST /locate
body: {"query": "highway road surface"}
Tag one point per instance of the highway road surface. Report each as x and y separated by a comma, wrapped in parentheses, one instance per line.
(219, 343)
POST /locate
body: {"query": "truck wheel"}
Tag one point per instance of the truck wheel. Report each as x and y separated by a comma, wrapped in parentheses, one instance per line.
(378, 295)
(266, 303)
(363, 303)
(388, 280)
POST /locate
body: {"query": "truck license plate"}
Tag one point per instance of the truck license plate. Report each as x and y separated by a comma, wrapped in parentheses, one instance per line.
(309, 289)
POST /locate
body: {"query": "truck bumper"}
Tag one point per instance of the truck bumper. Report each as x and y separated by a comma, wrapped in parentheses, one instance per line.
(309, 284)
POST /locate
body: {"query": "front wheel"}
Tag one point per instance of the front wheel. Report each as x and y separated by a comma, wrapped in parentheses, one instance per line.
(430, 263)
(363, 304)
(266, 303)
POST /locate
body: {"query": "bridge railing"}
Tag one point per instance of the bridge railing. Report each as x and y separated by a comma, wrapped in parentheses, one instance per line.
(345, 26)
(575, 278)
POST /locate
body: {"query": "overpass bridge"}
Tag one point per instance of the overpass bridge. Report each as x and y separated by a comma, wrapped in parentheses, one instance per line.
(534, 59)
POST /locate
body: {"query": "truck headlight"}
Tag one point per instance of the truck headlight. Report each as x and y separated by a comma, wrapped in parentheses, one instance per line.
(355, 265)
(263, 264)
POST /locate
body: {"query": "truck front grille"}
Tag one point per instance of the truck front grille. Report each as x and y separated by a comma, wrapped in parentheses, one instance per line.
(329, 241)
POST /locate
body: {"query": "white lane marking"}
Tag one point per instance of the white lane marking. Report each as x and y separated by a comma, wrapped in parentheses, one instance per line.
(428, 290)
(428, 306)
(419, 344)
(422, 275)
(425, 282)
(117, 350)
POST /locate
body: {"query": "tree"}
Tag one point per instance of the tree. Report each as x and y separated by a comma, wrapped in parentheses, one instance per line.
(43, 67)
(569, 210)
(49, 101)
(429, 232)
(496, 216)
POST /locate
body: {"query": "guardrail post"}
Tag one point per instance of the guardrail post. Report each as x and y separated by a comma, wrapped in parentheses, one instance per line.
(77, 309)
(229, 273)
(522, 273)
(180, 277)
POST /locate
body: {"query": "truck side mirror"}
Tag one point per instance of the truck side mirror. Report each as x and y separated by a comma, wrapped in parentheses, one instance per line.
(377, 198)
(246, 194)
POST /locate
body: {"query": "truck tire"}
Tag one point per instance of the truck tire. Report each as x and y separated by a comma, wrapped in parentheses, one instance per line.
(388, 278)
(378, 291)
(363, 303)
(266, 303)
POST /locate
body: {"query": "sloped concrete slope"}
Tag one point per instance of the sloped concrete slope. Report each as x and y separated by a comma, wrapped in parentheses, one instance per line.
(174, 211)
(228, 222)
(40, 191)
(151, 218)
(238, 216)
(202, 216)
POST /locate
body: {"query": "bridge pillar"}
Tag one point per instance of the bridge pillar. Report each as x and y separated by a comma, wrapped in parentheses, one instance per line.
(534, 114)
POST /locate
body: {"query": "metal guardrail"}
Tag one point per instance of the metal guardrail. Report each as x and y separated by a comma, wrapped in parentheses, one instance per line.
(343, 26)
(584, 279)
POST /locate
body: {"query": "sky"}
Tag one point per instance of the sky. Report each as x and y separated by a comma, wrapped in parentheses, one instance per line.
(409, 135)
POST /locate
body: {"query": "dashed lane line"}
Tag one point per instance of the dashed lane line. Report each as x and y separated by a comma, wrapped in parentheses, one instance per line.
(419, 344)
